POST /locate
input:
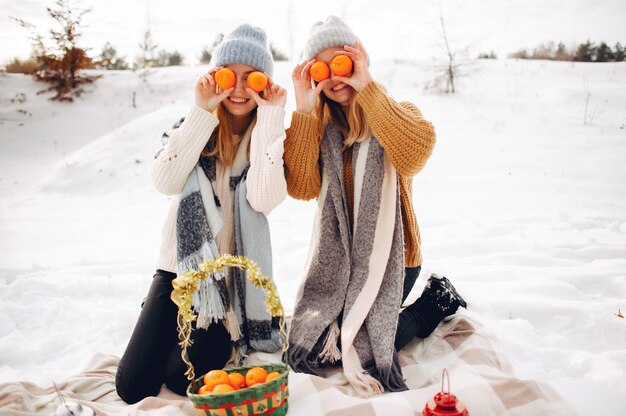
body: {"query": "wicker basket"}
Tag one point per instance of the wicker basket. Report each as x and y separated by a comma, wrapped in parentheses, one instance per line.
(266, 398)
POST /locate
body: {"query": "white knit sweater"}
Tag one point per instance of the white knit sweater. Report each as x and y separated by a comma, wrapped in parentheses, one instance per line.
(266, 181)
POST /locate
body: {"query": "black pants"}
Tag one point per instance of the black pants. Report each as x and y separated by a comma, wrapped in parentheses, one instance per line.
(408, 323)
(152, 356)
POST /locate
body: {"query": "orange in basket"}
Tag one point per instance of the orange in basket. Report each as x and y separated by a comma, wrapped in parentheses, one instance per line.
(215, 377)
(271, 376)
(256, 375)
(222, 388)
(237, 381)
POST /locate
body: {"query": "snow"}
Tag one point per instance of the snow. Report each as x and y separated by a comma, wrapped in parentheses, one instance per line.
(521, 205)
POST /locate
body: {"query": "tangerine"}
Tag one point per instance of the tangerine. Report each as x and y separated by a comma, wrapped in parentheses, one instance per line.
(319, 71)
(215, 377)
(223, 388)
(237, 380)
(257, 81)
(225, 78)
(256, 375)
(204, 390)
(341, 65)
(271, 376)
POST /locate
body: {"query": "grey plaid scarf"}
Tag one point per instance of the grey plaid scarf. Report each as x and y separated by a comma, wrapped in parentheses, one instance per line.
(347, 308)
(198, 221)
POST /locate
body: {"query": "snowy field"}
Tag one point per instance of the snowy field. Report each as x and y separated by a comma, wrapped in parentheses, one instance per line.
(522, 205)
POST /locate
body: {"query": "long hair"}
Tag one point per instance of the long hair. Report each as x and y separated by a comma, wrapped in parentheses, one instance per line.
(351, 120)
(222, 142)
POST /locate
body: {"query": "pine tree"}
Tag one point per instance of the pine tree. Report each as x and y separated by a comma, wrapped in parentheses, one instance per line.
(146, 58)
(108, 59)
(619, 54)
(205, 56)
(585, 52)
(562, 54)
(165, 58)
(487, 55)
(604, 53)
(60, 65)
(175, 59)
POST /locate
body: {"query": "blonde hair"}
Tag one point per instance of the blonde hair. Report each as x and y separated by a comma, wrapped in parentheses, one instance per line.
(351, 120)
(222, 143)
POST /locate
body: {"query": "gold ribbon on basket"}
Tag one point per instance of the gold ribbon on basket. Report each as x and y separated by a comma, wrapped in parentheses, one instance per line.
(187, 284)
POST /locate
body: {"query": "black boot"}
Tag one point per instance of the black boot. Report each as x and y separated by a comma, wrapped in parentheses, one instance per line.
(440, 292)
(438, 300)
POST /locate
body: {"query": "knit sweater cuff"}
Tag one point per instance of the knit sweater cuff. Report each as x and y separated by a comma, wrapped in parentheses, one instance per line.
(271, 119)
(303, 134)
(200, 123)
(266, 178)
(303, 125)
(372, 97)
(269, 138)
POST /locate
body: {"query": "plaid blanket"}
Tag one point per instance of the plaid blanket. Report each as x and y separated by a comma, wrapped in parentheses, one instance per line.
(481, 376)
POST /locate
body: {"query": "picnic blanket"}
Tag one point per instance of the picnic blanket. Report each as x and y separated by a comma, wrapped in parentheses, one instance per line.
(481, 376)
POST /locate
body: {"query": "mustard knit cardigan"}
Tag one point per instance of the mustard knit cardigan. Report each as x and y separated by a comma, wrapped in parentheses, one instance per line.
(408, 140)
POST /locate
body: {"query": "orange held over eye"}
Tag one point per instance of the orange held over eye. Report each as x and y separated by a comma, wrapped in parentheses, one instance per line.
(215, 377)
(341, 65)
(256, 375)
(257, 81)
(237, 380)
(223, 388)
(225, 78)
(319, 71)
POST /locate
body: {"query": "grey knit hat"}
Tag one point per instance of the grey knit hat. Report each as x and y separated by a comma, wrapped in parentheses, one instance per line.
(331, 33)
(245, 45)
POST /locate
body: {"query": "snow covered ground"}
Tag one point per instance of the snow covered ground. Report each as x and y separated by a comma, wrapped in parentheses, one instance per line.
(522, 205)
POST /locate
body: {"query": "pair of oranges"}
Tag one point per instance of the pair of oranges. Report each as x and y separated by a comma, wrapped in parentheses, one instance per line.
(220, 382)
(340, 65)
(225, 79)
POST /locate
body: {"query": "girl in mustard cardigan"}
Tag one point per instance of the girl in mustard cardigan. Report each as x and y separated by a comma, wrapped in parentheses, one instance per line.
(356, 150)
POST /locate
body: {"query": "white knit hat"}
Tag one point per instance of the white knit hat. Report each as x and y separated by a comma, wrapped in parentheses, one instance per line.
(245, 45)
(331, 33)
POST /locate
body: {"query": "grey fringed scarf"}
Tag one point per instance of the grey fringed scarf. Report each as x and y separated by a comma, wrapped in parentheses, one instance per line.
(347, 309)
(198, 221)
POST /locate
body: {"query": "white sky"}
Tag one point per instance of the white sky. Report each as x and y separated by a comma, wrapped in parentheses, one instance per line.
(389, 29)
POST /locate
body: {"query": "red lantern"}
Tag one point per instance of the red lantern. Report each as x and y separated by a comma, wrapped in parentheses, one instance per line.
(445, 404)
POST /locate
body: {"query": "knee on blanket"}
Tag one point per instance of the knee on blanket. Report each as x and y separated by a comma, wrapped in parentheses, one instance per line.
(133, 390)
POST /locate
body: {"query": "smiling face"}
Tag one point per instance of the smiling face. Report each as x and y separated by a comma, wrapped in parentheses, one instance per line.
(335, 90)
(239, 103)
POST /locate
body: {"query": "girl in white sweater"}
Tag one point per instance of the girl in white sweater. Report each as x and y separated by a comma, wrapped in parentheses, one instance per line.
(223, 165)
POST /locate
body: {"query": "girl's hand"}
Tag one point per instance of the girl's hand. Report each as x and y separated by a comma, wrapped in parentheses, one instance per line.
(273, 94)
(360, 73)
(306, 92)
(207, 95)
